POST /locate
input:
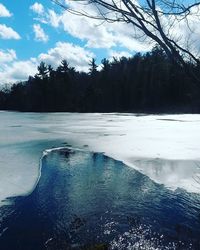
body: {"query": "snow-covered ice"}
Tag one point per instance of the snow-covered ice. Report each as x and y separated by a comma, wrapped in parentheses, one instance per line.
(164, 147)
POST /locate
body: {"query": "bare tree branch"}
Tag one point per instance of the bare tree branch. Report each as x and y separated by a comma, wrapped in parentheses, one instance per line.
(156, 19)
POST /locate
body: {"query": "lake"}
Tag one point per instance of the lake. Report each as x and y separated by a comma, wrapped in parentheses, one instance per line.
(152, 198)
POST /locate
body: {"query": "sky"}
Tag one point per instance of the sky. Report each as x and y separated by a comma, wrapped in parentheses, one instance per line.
(34, 31)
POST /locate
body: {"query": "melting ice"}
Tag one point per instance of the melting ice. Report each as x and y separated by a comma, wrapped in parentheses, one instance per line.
(164, 147)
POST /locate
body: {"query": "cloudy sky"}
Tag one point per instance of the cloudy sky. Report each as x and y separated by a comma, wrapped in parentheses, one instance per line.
(33, 31)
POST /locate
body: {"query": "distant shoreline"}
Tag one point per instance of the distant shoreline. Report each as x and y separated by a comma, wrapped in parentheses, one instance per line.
(105, 112)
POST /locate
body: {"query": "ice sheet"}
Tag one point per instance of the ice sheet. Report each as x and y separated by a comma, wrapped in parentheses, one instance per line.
(164, 147)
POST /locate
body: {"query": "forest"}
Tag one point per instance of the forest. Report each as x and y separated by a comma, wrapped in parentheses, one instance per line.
(147, 83)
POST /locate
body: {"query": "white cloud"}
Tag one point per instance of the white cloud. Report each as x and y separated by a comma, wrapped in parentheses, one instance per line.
(7, 56)
(106, 35)
(17, 71)
(53, 18)
(8, 33)
(21, 70)
(37, 8)
(119, 54)
(100, 34)
(97, 36)
(77, 56)
(95, 33)
(186, 31)
(12, 70)
(39, 33)
(4, 12)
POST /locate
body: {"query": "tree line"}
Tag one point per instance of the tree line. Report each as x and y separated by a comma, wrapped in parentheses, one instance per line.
(148, 83)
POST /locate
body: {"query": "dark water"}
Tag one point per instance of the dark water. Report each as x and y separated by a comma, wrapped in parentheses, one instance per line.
(90, 201)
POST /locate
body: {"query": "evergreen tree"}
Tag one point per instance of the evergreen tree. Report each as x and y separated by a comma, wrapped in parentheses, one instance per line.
(93, 67)
(42, 71)
(143, 83)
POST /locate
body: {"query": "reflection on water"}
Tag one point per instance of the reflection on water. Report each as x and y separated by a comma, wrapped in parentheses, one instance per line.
(87, 199)
(171, 173)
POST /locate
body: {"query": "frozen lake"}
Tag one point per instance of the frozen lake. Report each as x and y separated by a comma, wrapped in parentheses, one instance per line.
(165, 148)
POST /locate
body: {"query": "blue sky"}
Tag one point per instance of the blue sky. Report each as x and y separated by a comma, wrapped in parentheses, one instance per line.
(34, 31)
(22, 21)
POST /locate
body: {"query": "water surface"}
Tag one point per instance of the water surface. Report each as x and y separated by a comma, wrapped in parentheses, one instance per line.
(87, 199)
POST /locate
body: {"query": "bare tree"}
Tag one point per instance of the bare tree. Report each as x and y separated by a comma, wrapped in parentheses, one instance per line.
(154, 19)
